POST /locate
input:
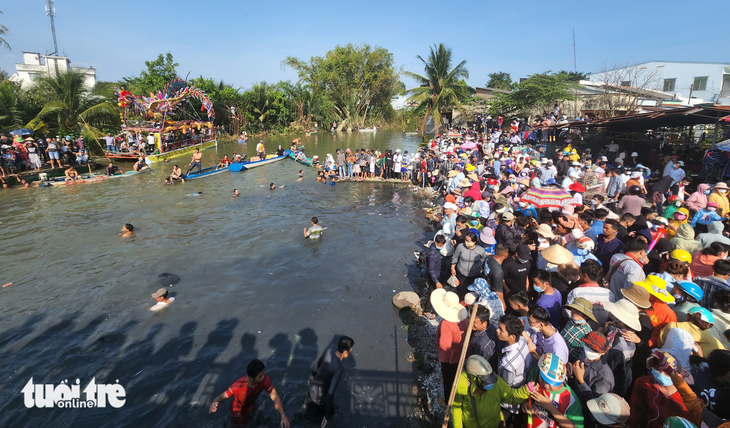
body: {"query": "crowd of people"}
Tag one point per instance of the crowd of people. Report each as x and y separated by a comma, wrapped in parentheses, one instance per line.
(608, 305)
(21, 154)
(140, 143)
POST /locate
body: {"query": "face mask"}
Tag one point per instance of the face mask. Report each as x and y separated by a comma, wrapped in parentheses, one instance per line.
(487, 387)
(711, 208)
(523, 204)
(723, 191)
(591, 354)
(680, 217)
(707, 192)
(678, 299)
(536, 288)
(474, 222)
(627, 173)
(661, 378)
(470, 245)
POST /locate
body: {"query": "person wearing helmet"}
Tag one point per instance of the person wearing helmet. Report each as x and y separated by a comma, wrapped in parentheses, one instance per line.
(687, 295)
(699, 324)
(480, 394)
(553, 402)
(633, 202)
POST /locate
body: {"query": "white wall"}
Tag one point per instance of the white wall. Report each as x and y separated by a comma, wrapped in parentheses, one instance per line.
(685, 74)
(35, 65)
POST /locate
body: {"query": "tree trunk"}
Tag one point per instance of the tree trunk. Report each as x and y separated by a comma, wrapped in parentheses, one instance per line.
(425, 120)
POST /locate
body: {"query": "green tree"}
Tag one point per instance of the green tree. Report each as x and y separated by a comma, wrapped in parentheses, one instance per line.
(537, 92)
(70, 106)
(11, 116)
(573, 76)
(359, 80)
(159, 73)
(440, 87)
(3, 31)
(500, 80)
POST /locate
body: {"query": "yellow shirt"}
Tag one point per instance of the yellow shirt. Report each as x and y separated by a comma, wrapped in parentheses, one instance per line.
(704, 338)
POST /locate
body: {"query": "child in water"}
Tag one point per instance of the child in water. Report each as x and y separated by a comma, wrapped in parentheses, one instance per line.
(127, 231)
(301, 174)
(235, 193)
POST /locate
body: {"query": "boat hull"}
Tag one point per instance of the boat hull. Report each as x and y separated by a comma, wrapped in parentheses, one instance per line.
(242, 166)
(207, 172)
(182, 152)
(308, 162)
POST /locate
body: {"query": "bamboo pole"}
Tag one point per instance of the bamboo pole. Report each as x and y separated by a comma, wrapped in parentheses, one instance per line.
(447, 416)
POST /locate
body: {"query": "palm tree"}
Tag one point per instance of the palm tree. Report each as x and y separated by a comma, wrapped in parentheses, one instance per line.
(71, 104)
(3, 31)
(441, 87)
(10, 114)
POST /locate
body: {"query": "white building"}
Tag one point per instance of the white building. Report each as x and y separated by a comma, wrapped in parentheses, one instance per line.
(707, 82)
(36, 65)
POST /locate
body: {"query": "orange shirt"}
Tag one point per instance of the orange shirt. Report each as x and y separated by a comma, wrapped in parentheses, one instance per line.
(661, 315)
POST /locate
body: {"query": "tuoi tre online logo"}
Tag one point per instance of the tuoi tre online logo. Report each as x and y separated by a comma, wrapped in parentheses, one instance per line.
(68, 396)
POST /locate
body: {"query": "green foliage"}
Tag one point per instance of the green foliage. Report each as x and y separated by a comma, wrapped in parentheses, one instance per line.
(3, 31)
(70, 105)
(441, 87)
(358, 80)
(537, 92)
(159, 73)
(11, 117)
(105, 89)
(573, 76)
(500, 80)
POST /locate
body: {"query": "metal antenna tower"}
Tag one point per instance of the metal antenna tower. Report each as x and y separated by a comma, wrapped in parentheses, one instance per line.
(51, 11)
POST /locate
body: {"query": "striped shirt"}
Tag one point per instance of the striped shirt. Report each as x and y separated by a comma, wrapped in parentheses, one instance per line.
(513, 366)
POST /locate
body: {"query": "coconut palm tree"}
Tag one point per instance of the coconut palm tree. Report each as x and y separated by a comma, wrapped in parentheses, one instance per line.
(10, 114)
(440, 87)
(3, 31)
(71, 105)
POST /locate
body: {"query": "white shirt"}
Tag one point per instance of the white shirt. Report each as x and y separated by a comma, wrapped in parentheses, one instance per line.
(161, 305)
(151, 140)
(613, 147)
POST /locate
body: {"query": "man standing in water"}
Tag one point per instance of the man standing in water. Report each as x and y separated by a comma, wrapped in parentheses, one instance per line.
(195, 161)
(245, 391)
(260, 150)
(326, 376)
(314, 232)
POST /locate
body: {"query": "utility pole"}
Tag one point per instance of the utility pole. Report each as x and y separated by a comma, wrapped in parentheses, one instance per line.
(575, 68)
(51, 11)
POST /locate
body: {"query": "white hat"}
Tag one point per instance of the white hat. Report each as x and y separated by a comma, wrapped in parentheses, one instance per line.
(545, 231)
(609, 409)
(471, 298)
(604, 159)
(576, 163)
(634, 154)
(451, 206)
(544, 160)
(626, 312)
(681, 163)
(446, 304)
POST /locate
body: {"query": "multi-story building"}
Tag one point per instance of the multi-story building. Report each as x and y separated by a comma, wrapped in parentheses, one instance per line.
(35, 65)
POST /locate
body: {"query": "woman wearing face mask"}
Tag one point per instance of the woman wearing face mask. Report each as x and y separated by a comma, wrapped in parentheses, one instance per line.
(577, 326)
(719, 196)
(702, 261)
(673, 205)
(679, 217)
(655, 398)
(466, 263)
(698, 199)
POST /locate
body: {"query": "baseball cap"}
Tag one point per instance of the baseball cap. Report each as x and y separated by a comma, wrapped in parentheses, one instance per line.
(507, 216)
(451, 206)
(609, 409)
(524, 253)
(162, 292)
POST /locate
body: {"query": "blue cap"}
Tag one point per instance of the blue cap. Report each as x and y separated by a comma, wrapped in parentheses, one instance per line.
(551, 181)
(706, 315)
(692, 289)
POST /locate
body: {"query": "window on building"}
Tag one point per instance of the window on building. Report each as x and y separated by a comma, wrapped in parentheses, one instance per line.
(33, 76)
(700, 84)
(669, 85)
(725, 91)
(626, 83)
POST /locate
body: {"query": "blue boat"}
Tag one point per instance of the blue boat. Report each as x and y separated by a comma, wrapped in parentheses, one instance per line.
(242, 166)
(205, 172)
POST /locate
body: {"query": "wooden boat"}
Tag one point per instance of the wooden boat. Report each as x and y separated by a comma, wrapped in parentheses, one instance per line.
(121, 156)
(308, 162)
(242, 166)
(373, 129)
(188, 150)
(93, 178)
(205, 172)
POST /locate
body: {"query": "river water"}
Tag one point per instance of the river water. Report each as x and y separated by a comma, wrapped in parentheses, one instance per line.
(251, 287)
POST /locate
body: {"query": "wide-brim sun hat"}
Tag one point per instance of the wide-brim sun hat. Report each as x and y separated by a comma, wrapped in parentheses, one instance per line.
(465, 183)
(583, 306)
(557, 255)
(638, 295)
(486, 235)
(545, 231)
(721, 185)
(447, 306)
(626, 312)
(657, 287)
(453, 174)
(473, 177)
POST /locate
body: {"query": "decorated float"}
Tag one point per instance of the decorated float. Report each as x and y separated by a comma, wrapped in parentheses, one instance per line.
(170, 117)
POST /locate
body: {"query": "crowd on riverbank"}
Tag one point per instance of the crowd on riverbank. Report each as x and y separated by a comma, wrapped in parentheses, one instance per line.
(600, 284)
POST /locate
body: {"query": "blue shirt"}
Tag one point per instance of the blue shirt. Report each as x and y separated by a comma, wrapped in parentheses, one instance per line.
(552, 303)
(706, 217)
(597, 228)
(528, 212)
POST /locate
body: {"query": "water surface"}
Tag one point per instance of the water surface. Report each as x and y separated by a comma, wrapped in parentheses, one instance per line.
(251, 287)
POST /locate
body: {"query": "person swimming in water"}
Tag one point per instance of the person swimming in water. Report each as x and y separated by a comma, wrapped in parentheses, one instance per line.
(314, 232)
(301, 174)
(127, 231)
(192, 195)
(162, 299)
(272, 186)
(235, 193)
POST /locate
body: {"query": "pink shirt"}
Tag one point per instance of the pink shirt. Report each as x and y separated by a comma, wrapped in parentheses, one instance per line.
(450, 338)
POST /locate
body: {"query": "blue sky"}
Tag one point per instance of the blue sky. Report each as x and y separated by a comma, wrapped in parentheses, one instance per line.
(244, 42)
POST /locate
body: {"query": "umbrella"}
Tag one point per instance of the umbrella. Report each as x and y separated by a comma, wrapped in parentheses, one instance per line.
(22, 132)
(468, 145)
(547, 197)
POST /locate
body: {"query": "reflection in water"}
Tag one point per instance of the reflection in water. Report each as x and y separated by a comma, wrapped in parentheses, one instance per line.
(250, 287)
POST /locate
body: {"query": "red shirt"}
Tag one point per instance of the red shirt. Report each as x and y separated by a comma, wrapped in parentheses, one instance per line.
(650, 408)
(450, 338)
(424, 166)
(661, 315)
(244, 397)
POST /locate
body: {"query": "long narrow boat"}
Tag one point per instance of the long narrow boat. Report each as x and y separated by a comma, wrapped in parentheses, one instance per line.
(160, 157)
(308, 162)
(93, 178)
(242, 166)
(206, 172)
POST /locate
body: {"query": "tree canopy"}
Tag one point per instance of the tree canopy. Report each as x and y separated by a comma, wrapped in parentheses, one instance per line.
(537, 92)
(3, 31)
(159, 72)
(440, 87)
(500, 80)
(359, 80)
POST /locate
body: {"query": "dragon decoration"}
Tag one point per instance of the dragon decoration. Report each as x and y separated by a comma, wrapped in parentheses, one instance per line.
(162, 104)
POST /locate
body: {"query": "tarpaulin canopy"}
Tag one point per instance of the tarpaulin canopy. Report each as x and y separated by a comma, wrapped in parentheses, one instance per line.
(547, 197)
